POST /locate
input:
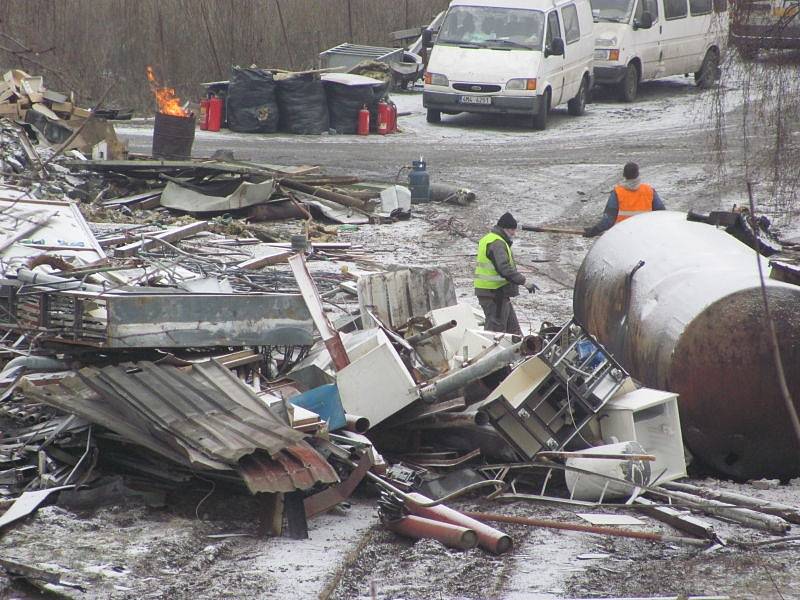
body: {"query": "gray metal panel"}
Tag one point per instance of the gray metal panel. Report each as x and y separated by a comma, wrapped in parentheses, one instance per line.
(182, 320)
(349, 55)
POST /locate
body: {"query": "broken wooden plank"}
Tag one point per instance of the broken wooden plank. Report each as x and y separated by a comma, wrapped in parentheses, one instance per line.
(681, 521)
(280, 256)
(171, 235)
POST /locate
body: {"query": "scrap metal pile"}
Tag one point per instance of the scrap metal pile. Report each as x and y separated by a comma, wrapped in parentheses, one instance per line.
(163, 353)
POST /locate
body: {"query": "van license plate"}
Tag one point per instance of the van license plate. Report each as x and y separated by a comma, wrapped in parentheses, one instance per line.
(476, 100)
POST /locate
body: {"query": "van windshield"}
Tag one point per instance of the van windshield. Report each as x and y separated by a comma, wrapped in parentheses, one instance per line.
(491, 27)
(615, 11)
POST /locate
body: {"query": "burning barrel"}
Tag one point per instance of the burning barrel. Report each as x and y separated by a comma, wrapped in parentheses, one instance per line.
(690, 319)
(173, 136)
(173, 131)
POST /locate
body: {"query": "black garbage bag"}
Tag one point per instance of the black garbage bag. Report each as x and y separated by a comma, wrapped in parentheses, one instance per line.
(251, 103)
(303, 105)
(344, 102)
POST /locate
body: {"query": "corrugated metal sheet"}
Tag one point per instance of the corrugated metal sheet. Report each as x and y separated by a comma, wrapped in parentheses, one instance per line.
(297, 467)
(204, 418)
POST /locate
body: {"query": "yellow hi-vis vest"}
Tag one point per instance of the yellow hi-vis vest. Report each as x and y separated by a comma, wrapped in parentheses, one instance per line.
(486, 276)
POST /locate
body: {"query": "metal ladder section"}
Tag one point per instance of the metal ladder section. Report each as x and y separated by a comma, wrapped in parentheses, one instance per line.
(583, 378)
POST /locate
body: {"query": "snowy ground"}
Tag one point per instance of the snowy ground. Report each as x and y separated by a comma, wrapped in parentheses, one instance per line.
(559, 177)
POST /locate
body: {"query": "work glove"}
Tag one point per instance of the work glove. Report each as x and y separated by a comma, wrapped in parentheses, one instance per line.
(590, 232)
(531, 287)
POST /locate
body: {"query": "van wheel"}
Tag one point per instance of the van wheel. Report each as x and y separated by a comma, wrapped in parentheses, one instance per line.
(540, 118)
(434, 116)
(577, 105)
(629, 85)
(707, 75)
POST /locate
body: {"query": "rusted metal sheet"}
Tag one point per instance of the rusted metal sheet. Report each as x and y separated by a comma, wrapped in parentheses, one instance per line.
(204, 418)
(330, 497)
(691, 320)
(296, 467)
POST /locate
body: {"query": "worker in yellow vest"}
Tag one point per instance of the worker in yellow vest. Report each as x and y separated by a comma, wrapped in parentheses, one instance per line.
(497, 279)
(628, 199)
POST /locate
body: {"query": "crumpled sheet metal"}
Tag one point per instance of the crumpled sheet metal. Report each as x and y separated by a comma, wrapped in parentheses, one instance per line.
(204, 418)
(297, 467)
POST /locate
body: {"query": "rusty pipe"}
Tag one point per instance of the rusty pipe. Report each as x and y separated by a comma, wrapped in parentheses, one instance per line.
(595, 529)
(428, 333)
(529, 345)
(489, 538)
(691, 321)
(452, 536)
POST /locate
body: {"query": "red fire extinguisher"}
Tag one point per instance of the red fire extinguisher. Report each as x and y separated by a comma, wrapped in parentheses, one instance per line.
(204, 113)
(384, 118)
(214, 114)
(363, 121)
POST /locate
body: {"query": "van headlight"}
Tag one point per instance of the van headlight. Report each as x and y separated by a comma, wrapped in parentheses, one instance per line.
(521, 84)
(610, 54)
(436, 79)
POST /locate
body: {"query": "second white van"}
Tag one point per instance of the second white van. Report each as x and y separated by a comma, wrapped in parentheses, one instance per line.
(517, 57)
(639, 40)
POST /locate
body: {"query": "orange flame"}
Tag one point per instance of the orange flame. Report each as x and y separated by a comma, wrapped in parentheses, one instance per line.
(168, 102)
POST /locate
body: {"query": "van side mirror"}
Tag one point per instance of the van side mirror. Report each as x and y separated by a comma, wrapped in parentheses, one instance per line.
(427, 38)
(556, 48)
(646, 22)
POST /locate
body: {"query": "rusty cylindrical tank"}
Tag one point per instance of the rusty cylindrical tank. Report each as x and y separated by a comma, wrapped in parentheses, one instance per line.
(690, 320)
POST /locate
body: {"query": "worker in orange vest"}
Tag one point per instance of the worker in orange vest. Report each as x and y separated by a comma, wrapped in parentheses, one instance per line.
(628, 199)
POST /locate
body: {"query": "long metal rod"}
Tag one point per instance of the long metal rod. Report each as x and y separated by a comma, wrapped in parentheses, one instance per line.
(595, 529)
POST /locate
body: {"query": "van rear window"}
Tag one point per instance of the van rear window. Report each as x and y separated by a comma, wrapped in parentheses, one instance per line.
(675, 9)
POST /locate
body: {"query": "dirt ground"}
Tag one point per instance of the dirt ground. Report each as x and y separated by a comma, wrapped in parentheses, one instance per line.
(559, 177)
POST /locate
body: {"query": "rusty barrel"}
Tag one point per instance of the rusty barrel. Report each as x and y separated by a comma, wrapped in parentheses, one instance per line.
(690, 319)
(173, 136)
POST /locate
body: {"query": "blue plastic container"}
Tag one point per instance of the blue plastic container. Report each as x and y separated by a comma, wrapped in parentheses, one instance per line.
(324, 401)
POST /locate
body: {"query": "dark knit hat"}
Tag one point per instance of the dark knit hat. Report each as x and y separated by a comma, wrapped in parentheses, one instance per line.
(507, 221)
(631, 171)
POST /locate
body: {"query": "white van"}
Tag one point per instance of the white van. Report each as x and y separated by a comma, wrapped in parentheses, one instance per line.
(519, 57)
(638, 40)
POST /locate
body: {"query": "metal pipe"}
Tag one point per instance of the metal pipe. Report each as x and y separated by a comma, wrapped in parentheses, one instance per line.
(43, 279)
(595, 529)
(424, 335)
(356, 424)
(33, 363)
(529, 345)
(694, 324)
(489, 538)
(790, 513)
(418, 528)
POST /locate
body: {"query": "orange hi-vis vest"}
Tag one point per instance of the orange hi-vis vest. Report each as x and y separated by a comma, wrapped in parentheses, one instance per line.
(633, 203)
